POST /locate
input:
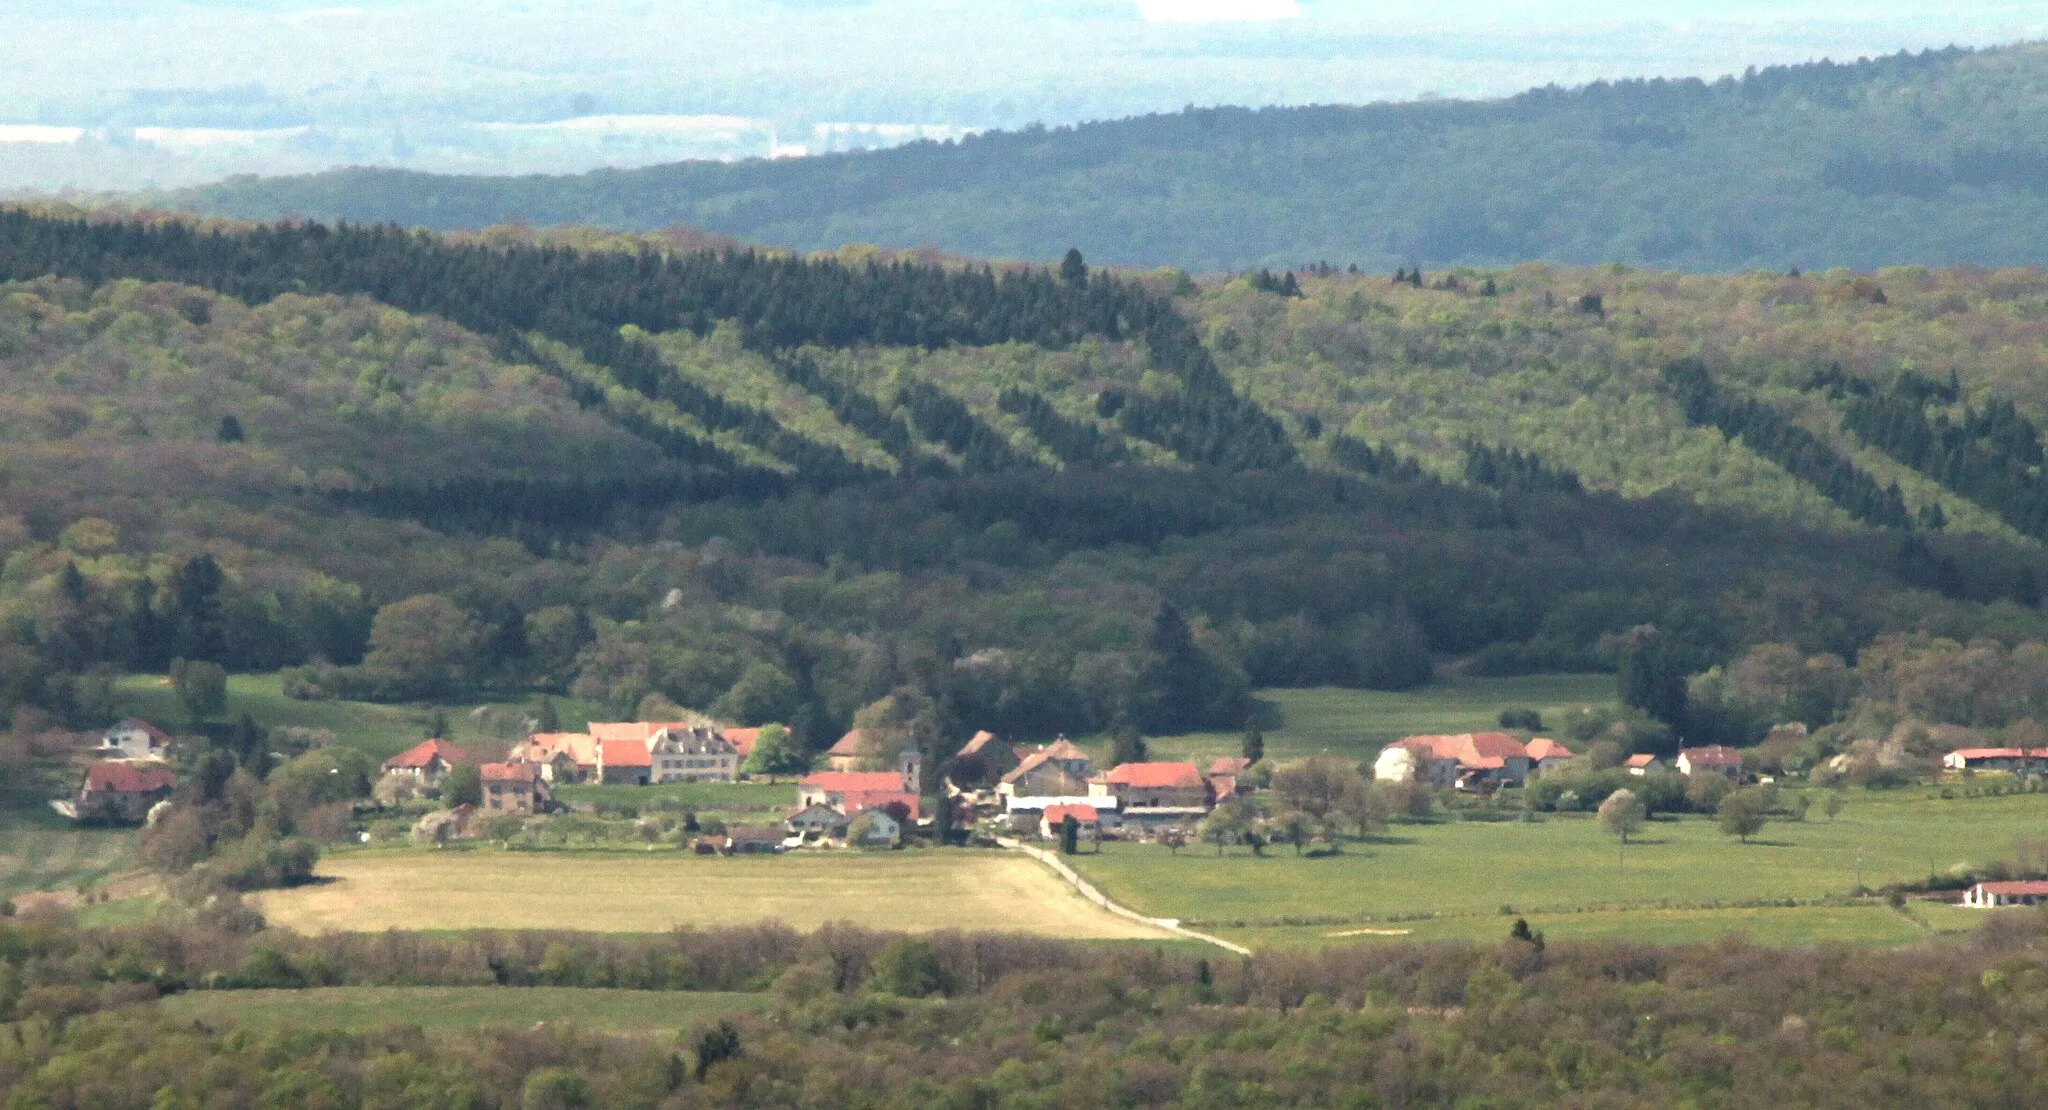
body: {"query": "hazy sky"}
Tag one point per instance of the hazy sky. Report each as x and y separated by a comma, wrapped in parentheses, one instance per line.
(412, 82)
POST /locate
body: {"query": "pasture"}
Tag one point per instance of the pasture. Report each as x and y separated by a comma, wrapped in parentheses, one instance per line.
(452, 1009)
(1679, 880)
(915, 891)
(41, 851)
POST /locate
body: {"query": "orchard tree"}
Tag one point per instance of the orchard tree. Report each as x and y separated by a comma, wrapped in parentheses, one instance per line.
(1622, 814)
(1743, 813)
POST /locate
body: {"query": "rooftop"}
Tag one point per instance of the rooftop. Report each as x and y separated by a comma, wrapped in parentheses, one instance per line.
(1155, 776)
(423, 755)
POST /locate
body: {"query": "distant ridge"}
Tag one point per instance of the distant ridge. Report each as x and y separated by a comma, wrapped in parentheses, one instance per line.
(1933, 158)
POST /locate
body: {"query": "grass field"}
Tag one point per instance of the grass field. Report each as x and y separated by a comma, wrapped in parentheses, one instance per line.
(1358, 723)
(460, 1008)
(380, 730)
(912, 891)
(41, 851)
(1681, 880)
(703, 797)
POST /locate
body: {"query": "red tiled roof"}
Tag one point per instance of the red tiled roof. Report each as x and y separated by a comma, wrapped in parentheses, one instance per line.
(421, 755)
(1543, 747)
(981, 740)
(128, 778)
(1155, 775)
(1641, 760)
(1713, 755)
(1057, 815)
(1995, 753)
(742, 740)
(510, 772)
(850, 746)
(842, 782)
(857, 800)
(1485, 751)
(2029, 886)
(624, 753)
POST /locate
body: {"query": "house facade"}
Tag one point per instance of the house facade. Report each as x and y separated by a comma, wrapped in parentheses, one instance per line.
(515, 788)
(136, 739)
(428, 762)
(692, 754)
(818, 821)
(1055, 770)
(121, 793)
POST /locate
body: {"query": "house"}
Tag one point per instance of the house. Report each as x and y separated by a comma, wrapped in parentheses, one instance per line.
(120, 793)
(851, 792)
(818, 821)
(1468, 761)
(874, 828)
(1025, 812)
(513, 788)
(134, 739)
(624, 763)
(1058, 769)
(1227, 777)
(1716, 759)
(428, 762)
(684, 753)
(563, 757)
(1994, 759)
(749, 840)
(1640, 765)
(1154, 795)
(850, 752)
(1989, 896)
(984, 759)
(1545, 753)
(1085, 816)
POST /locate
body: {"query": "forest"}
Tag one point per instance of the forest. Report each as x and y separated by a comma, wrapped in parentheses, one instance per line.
(858, 1019)
(1931, 158)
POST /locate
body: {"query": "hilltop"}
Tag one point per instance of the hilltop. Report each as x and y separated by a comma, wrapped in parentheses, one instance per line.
(1911, 159)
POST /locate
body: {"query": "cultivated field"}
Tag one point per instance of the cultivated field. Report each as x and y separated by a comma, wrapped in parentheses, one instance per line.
(1681, 880)
(40, 851)
(914, 891)
(461, 1008)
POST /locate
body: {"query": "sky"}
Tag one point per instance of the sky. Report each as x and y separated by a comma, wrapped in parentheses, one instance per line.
(169, 91)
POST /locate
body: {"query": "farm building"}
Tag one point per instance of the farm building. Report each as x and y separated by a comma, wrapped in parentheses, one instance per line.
(1545, 754)
(1026, 812)
(1227, 778)
(985, 759)
(1640, 765)
(751, 840)
(1987, 896)
(1468, 761)
(850, 751)
(1085, 816)
(1151, 796)
(428, 762)
(136, 739)
(1715, 759)
(1993, 759)
(818, 821)
(120, 792)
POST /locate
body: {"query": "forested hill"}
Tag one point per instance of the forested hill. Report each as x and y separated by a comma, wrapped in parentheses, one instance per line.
(793, 489)
(1912, 159)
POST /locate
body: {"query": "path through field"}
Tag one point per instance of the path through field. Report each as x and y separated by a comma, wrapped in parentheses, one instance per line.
(910, 891)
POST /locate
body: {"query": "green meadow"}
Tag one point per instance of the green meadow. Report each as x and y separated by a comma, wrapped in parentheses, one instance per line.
(1679, 879)
(461, 1008)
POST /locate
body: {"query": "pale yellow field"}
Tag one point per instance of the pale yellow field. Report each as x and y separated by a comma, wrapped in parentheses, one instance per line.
(916, 892)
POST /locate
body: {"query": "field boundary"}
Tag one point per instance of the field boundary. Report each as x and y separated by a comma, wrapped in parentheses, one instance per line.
(1087, 890)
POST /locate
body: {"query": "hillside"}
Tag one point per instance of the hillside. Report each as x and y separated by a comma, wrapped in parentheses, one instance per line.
(786, 489)
(1927, 159)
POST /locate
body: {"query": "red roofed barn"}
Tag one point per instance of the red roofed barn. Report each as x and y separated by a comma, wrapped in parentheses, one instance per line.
(428, 762)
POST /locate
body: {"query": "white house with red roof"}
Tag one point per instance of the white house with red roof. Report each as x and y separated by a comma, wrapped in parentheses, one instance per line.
(1642, 764)
(428, 761)
(1468, 761)
(1994, 759)
(850, 792)
(1991, 896)
(136, 739)
(1545, 754)
(1713, 759)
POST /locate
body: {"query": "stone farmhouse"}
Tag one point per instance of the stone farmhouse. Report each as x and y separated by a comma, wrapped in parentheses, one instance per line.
(136, 739)
(515, 788)
(426, 763)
